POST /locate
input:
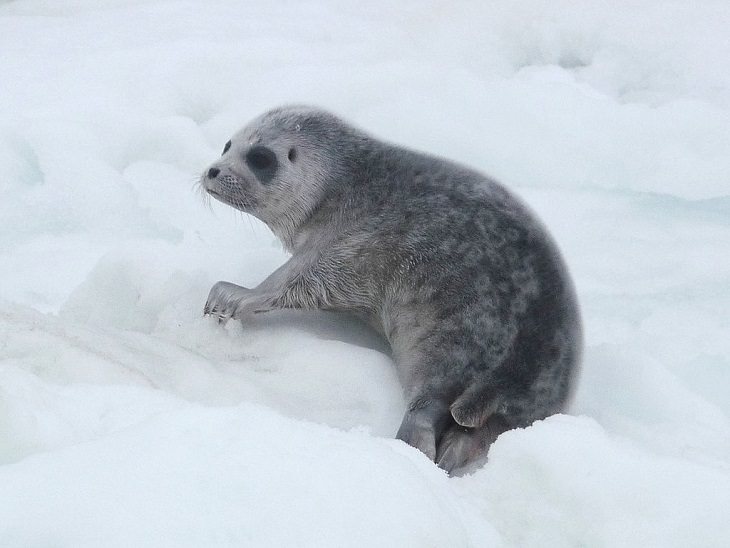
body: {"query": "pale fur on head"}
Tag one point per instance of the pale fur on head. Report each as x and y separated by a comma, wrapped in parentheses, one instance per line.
(302, 139)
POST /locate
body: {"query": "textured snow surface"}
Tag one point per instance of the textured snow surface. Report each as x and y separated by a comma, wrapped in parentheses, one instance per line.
(126, 419)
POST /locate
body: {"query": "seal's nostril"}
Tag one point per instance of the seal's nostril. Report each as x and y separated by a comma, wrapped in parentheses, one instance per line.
(213, 172)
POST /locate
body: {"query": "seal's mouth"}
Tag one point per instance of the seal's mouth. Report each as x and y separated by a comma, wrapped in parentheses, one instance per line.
(235, 202)
(220, 197)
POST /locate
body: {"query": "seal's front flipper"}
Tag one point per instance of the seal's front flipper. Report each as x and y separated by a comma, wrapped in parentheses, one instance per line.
(424, 424)
(223, 300)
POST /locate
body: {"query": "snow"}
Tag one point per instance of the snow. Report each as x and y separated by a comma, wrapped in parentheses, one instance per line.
(127, 419)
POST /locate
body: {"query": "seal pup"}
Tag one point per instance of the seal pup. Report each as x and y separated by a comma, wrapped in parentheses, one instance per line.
(454, 271)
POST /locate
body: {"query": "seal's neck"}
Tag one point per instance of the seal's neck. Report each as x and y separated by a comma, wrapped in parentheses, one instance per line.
(287, 227)
(286, 234)
(317, 216)
(312, 227)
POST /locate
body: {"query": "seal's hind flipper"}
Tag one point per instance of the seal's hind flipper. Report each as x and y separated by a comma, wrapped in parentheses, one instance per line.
(462, 449)
(424, 424)
(476, 404)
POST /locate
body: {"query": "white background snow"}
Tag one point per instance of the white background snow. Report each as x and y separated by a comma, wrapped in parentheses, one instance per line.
(127, 419)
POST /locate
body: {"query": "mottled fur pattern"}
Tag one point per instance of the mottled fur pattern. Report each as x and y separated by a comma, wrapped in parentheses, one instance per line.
(453, 270)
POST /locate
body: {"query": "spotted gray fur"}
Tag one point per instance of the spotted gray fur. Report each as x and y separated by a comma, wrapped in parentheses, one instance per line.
(456, 273)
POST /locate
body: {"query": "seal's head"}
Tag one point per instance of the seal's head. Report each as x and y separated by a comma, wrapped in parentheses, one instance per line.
(278, 167)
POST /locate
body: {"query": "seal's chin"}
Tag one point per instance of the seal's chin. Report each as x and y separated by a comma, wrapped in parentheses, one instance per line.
(235, 202)
(220, 197)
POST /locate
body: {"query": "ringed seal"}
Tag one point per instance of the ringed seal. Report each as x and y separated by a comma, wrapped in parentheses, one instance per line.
(452, 269)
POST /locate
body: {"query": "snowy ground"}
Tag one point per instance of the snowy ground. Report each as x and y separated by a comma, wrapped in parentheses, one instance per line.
(126, 419)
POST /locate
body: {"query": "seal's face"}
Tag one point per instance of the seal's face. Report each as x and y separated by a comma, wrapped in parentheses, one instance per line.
(250, 173)
(273, 169)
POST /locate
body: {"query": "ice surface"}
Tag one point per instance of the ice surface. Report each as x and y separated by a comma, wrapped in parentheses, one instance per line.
(126, 419)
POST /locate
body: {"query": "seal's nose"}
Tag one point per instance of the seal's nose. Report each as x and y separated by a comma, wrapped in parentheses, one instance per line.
(213, 172)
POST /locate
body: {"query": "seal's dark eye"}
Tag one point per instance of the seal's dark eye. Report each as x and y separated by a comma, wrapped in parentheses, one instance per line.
(292, 154)
(225, 148)
(260, 158)
(262, 162)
